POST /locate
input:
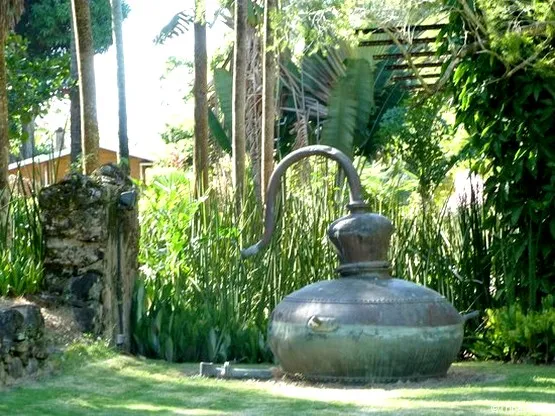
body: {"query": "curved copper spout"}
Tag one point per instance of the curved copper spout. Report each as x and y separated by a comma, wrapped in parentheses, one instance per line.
(356, 203)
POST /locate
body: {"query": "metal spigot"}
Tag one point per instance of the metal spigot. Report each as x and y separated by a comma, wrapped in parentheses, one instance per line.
(356, 203)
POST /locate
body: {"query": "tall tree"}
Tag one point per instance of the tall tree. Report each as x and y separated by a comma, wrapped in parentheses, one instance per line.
(74, 102)
(239, 99)
(10, 12)
(268, 96)
(117, 20)
(201, 102)
(48, 26)
(87, 88)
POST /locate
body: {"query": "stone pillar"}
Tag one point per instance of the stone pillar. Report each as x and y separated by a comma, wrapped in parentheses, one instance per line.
(82, 221)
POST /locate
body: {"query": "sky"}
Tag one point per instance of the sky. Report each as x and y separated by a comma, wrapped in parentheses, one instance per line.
(151, 102)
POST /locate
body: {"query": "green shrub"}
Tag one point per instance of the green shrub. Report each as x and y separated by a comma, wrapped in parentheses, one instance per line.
(197, 299)
(513, 335)
(21, 248)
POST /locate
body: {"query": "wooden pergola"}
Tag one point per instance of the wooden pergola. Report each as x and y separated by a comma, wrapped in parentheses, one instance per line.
(411, 52)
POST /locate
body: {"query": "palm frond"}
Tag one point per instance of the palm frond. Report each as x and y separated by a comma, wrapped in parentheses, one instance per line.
(350, 106)
(178, 25)
(218, 132)
(223, 85)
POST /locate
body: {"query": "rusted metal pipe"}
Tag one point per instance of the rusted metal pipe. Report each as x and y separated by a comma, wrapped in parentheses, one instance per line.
(356, 203)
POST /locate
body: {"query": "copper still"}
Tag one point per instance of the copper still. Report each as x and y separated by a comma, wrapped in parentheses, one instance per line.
(364, 326)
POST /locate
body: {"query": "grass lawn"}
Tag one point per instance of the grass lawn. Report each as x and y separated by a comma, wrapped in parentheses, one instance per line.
(103, 383)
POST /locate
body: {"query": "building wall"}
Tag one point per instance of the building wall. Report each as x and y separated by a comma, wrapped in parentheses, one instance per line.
(51, 171)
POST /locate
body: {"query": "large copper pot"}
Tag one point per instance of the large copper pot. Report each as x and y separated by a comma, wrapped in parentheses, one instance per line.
(365, 325)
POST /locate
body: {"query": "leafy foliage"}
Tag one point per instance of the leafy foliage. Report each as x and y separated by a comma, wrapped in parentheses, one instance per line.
(46, 24)
(505, 98)
(174, 134)
(336, 96)
(221, 131)
(21, 245)
(223, 85)
(513, 335)
(178, 25)
(316, 23)
(198, 299)
(415, 135)
(350, 106)
(32, 82)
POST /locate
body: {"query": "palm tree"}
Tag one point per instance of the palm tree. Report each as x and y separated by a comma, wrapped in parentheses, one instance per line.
(268, 97)
(74, 99)
(117, 19)
(177, 26)
(239, 99)
(87, 89)
(201, 101)
(10, 12)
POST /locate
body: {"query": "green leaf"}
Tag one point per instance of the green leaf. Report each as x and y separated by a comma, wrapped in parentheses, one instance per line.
(350, 106)
(218, 132)
(168, 349)
(178, 25)
(459, 72)
(515, 215)
(223, 84)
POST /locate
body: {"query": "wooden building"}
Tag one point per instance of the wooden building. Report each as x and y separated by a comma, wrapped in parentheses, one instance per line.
(44, 170)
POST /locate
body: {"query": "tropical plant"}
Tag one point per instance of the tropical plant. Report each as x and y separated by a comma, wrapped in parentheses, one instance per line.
(32, 82)
(178, 25)
(337, 97)
(501, 76)
(198, 299)
(21, 243)
(416, 135)
(513, 335)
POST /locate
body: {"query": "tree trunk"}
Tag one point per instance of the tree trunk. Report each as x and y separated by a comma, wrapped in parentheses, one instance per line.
(269, 68)
(253, 109)
(87, 88)
(10, 12)
(201, 101)
(239, 99)
(75, 104)
(117, 19)
(4, 137)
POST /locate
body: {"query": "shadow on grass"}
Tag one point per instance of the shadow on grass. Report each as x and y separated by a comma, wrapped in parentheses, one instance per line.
(148, 389)
(125, 386)
(496, 394)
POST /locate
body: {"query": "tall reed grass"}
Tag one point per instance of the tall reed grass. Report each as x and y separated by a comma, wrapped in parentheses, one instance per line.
(21, 242)
(199, 301)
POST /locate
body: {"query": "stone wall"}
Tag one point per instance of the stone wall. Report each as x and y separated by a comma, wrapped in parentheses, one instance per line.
(22, 344)
(82, 222)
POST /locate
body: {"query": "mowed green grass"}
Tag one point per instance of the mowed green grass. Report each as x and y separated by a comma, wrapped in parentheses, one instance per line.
(120, 385)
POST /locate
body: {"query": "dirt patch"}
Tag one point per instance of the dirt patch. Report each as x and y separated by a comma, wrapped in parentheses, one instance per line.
(455, 377)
